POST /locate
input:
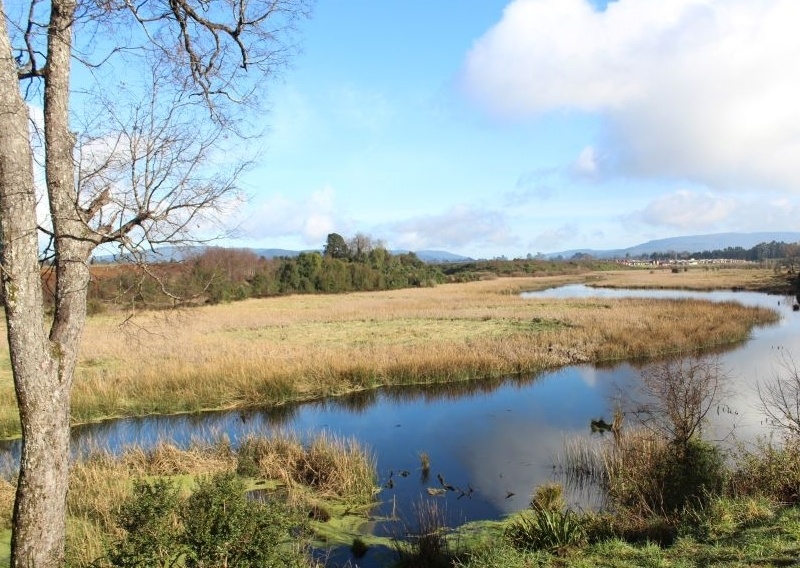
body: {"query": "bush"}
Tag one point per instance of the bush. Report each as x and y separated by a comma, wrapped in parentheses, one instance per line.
(646, 476)
(149, 519)
(691, 474)
(217, 525)
(223, 528)
(769, 472)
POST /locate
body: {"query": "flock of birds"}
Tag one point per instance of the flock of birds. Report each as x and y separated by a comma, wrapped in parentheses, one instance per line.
(443, 487)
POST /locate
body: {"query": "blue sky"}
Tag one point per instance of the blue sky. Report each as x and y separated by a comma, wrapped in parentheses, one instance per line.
(489, 128)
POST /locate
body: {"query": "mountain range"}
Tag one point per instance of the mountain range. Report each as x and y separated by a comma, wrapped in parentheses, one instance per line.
(177, 254)
(690, 244)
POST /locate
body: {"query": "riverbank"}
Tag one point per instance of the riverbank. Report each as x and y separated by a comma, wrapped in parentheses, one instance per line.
(293, 348)
(130, 504)
(704, 278)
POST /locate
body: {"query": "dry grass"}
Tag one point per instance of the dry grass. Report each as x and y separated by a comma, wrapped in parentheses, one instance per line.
(709, 277)
(7, 490)
(99, 484)
(300, 347)
(330, 466)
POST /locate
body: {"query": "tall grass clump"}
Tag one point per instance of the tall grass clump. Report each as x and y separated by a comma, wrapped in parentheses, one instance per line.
(425, 543)
(548, 525)
(769, 470)
(329, 465)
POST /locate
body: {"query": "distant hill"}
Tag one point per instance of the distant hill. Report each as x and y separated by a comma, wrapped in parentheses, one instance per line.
(694, 243)
(424, 255)
(435, 255)
(177, 254)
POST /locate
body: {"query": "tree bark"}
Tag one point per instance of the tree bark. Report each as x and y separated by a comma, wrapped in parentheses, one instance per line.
(43, 352)
(42, 365)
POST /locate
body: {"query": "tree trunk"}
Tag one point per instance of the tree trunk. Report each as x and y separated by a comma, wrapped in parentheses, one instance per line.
(42, 366)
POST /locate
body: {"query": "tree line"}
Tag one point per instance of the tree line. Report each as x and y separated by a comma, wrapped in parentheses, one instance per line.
(761, 251)
(223, 275)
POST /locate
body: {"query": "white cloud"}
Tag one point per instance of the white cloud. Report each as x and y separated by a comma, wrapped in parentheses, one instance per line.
(703, 90)
(587, 164)
(312, 217)
(459, 228)
(689, 210)
(554, 239)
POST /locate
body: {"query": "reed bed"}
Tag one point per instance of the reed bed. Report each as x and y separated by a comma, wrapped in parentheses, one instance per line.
(331, 466)
(325, 467)
(706, 277)
(274, 350)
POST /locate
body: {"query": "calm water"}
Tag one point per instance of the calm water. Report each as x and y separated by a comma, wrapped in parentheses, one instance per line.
(500, 438)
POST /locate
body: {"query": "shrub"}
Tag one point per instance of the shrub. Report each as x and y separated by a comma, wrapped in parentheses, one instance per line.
(771, 472)
(215, 526)
(691, 475)
(646, 476)
(149, 519)
(223, 528)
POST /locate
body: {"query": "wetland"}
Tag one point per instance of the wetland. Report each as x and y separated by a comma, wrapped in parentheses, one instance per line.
(486, 379)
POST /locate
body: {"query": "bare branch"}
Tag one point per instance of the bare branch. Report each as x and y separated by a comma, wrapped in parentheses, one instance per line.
(675, 396)
(780, 397)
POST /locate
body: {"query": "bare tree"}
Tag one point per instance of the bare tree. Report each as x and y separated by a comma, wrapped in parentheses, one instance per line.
(780, 396)
(675, 396)
(792, 255)
(361, 245)
(144, 180)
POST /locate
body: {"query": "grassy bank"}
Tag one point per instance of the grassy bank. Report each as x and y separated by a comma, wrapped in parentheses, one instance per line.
(329, 480)
(282, 349)
(700, 278)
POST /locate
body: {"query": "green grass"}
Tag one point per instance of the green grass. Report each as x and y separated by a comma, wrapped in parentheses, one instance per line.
(773, 541)
(5, 547)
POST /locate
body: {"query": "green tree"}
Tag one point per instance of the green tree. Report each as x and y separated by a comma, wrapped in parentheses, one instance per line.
(336, 247)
